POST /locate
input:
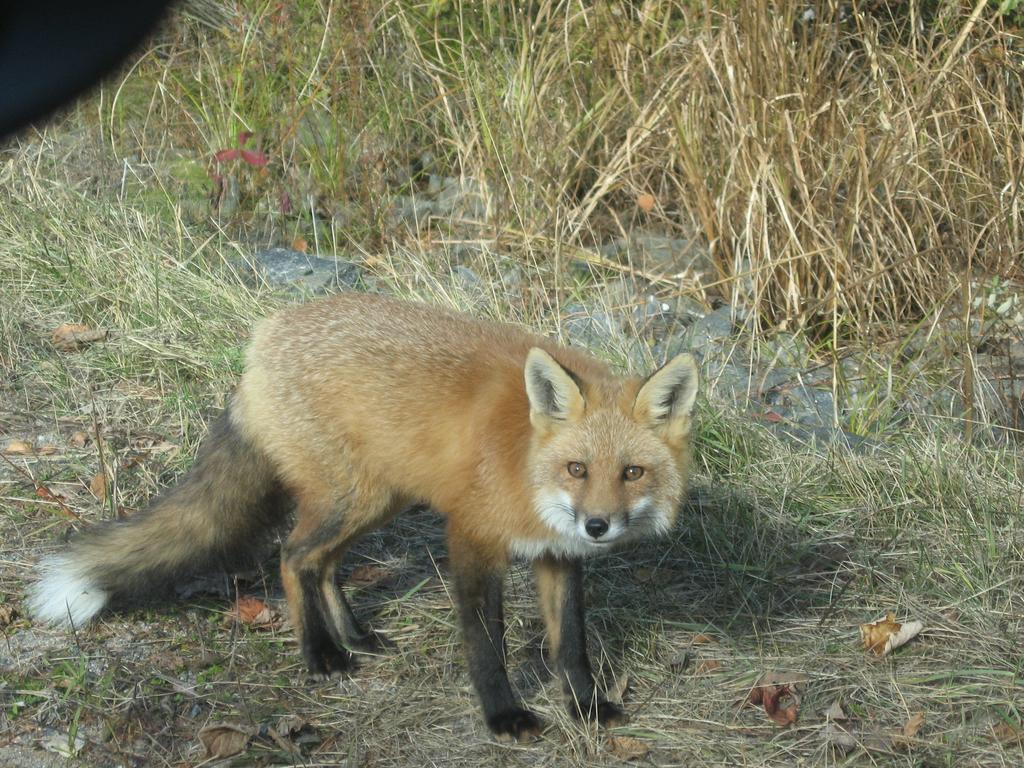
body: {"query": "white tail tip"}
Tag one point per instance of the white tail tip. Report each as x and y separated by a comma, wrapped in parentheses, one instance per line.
(64, 595)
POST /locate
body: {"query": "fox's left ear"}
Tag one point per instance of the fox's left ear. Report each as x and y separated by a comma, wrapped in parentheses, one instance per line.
(665, 401)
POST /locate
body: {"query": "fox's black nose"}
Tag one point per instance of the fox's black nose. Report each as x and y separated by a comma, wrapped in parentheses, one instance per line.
(596, 527)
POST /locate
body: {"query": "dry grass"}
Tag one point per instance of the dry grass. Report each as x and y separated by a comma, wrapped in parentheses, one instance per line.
(841, 173)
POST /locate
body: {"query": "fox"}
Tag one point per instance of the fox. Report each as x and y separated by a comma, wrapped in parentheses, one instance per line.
(354, 408)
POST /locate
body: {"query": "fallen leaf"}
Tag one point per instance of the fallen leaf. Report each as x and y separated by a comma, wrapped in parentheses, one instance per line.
(254, 612)
(299, 244)
(98, 485)
(224, 740)
(63, 744)
(46, 494)
(8, 613)
(913, 725)
(627, 747)
(836, 712)
(840, 737)
(289, 725)
(886, 635)
(367, 575)
(617, 692)
(18, 448)
(706, 666)
(1008, 734)
(68, 337)
(46, 450)
(78, 439)
(248, 608)
(645, 202)
(701, 639)
(779, 694)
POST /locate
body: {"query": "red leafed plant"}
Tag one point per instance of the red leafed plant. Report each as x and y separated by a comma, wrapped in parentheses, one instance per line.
(251, 157)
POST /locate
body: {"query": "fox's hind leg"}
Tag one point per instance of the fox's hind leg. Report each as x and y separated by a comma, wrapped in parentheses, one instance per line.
(353, 635)
(326, 525)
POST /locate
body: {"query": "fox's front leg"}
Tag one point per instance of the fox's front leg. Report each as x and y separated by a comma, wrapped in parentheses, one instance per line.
(478, 592)
(560, 590)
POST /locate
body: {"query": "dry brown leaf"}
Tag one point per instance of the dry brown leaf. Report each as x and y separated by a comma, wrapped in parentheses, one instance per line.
(248, 608)
(78, 439)
(628, 748)
(299, 244)
(617, 692)
(68, 337)
(224, 740)
(840, 737)
(707, 666)
(367, 575)
(8, 613)
(836, 712)
(46, 494)
(1008, 734)
(913, 725)
(645, 202)
(46, 450)
(779, 694)
(886, 635)
(98, 485)
(289, 725)
(18, 448)
(701, 639)
(254, 612)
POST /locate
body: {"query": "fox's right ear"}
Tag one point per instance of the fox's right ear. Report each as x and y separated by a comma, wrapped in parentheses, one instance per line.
(553, 392)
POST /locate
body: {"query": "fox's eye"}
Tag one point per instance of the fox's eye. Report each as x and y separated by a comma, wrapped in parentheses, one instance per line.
(576, 469)
(632, 473)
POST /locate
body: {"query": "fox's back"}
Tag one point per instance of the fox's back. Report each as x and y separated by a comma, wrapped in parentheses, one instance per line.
(398, 388)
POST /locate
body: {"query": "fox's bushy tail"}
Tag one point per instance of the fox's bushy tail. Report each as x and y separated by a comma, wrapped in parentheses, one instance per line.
(215, 517)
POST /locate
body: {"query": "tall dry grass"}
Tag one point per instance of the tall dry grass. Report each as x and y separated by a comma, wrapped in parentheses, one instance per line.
(843, 169)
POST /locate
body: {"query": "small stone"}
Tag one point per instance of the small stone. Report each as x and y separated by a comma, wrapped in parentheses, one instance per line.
(302, 272)
(713, 328)
(591, 327)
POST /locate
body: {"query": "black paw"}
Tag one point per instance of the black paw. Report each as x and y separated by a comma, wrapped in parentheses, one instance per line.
(514, 725)
(604, 712)
(370, 643)
(327, 661)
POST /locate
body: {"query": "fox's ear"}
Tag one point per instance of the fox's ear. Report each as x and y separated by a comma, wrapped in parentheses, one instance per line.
(665, 401)
(553, 392)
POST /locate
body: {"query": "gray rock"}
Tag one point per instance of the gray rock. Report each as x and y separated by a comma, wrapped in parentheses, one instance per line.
(301, 272)
(659, 253)
(511, 278)
(591, 327)
(789, 350)
(728, 381)
(818, 437)
(714, 328)
(412, 210)
(460, 198)
(776, 377)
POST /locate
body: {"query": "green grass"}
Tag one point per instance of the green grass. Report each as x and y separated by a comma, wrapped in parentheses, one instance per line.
(107, 219)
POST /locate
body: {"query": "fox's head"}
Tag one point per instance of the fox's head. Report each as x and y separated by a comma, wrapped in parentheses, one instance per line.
(610, 458)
